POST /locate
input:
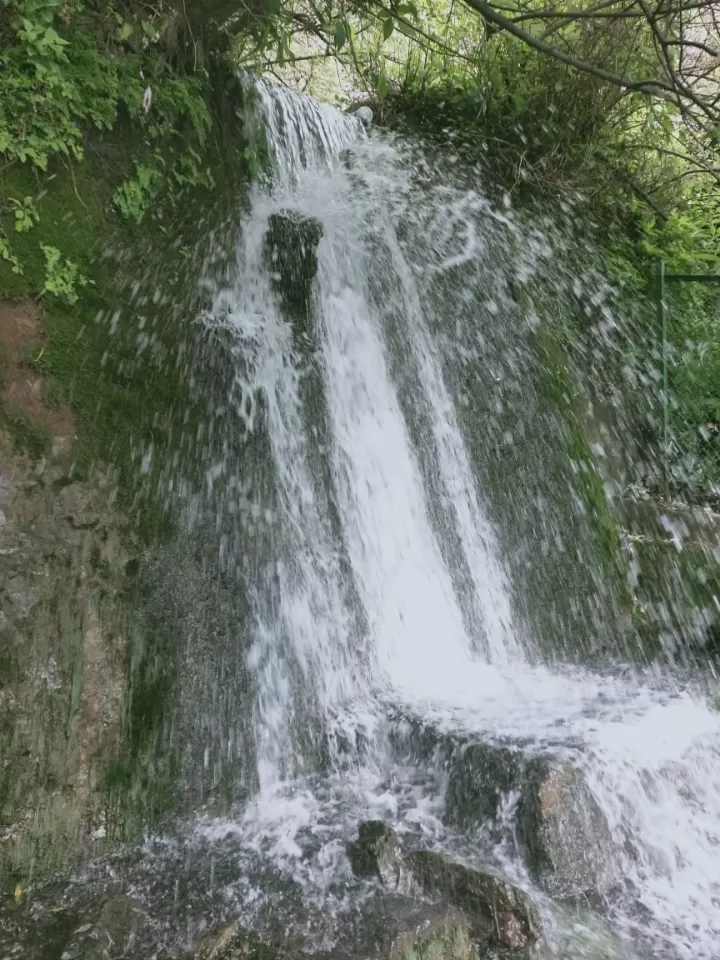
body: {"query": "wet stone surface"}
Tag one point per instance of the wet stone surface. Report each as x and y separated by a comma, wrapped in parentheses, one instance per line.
(497, 913)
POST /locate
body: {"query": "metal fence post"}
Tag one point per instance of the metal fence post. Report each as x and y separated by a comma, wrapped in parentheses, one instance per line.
(661, 311)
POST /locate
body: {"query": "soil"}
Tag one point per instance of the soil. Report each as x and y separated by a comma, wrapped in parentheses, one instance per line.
(22, 329)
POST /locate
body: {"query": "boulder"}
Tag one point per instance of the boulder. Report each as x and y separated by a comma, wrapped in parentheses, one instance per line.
(443, 934)
(234, 942)
(377, 854)
(291, 256)
(568, 843)
(382, 930)
(118, 930)
(500, 914)
(559, 825)
(497, 913)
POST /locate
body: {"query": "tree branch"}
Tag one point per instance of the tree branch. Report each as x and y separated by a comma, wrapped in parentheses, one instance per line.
(658, 88)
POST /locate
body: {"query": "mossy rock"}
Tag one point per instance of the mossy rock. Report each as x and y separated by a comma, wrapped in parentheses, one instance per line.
(499, 913)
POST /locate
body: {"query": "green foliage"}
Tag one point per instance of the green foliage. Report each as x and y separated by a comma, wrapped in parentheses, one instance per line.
(67, 68)
(26, 215)
(133, 197)
(49, 87)
(62, 277)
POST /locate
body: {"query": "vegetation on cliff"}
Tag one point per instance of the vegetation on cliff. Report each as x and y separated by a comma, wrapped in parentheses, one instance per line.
(113, 115)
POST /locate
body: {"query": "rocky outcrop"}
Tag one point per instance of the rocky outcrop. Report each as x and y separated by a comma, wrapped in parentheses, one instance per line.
(560, 827)
(64, 561)
(426, 933)
(291, 254)
(568, 844)
(480, 776)
(500, 913)
(497, 913)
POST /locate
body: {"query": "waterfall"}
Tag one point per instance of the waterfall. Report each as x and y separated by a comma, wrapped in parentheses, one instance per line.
(392, 579)
(406, 583)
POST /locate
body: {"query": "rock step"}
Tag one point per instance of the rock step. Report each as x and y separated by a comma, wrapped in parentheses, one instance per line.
(496, 912)
(558, 824)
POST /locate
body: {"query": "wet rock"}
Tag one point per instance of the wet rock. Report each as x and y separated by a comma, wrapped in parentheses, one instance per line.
(436, 931)
(419, 743)
(118, 932)
(497, 912)
(569, 846)
(23, 594)
(377, 854)
(364, 115)
(291, 254)
(479, 778)
(558, 823)
(236, 943)
(218, 942)
(388, 928)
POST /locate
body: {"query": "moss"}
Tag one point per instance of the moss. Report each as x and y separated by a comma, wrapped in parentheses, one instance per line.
(448, 944)
(588, 483)
(26, 437)
(124, 355)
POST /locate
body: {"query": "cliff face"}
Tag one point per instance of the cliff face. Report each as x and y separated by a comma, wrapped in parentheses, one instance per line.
(65, 553)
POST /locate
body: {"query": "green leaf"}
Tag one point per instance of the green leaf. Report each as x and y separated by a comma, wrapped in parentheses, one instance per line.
(407, 9)
(126, 31)
(407, 29)
(388, 27)
(51, 36)
(340, 34)
(383, 86)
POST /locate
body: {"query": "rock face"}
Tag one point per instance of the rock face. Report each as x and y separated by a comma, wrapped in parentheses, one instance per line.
(497, 913)
(291, 254)
(64, 555)
(62, 655)
(560, 827)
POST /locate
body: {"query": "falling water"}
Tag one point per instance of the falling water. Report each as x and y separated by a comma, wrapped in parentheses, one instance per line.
(407, 599)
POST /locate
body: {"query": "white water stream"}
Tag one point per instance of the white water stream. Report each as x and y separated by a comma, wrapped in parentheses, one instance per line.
(413, 526)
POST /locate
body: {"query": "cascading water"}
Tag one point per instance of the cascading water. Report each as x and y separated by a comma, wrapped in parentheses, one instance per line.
(397, 575)
(405, 599)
